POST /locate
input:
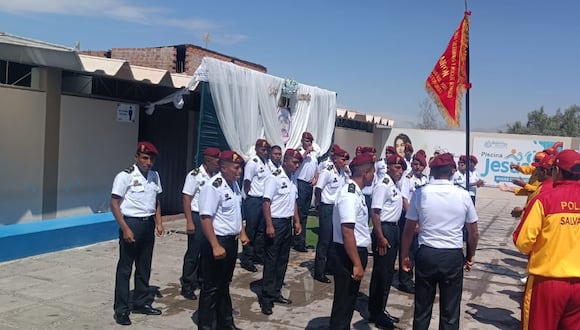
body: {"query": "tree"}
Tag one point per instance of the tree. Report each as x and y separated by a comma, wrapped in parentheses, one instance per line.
(540, 123)
(428, 116)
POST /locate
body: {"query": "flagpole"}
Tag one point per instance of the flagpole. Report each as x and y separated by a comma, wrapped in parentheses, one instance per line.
(467, 121)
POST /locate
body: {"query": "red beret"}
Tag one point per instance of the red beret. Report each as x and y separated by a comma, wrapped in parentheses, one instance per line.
(409, 147)
(293, 153)
(211, 152)
(396, 159)
(262, 143)
(231, 157)
(546, 162)
(421, 159)
(568, 160)
(473, 159)
(334, 147)
(362, 159)
(462, 158)
(391, 149)
(145, 147)
(442, 160)
(421, 152)
(307, 136)
(341, 153)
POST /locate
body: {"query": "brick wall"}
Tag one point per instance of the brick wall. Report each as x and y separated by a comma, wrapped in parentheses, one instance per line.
(194, 55)
(99, 53)
(160, 57)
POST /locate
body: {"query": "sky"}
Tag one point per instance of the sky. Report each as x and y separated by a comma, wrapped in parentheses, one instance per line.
(376, 54)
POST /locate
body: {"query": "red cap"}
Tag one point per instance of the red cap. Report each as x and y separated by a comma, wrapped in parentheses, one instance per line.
(262, 143)
(569, 161)
(307, 136)
(211, 152)
(396, 159)
(391, 149)
(341, 153)
(546, 162)
(538, 157)
(293, 153)
(231, 157)
(145, 147)
(442, 160)
(362, 159)
(421, 159)
(408, 147)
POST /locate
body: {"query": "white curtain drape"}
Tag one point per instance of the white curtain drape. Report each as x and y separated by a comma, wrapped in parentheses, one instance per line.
(246, 103)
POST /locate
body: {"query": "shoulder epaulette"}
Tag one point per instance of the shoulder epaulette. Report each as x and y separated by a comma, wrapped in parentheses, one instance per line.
(277, 172)
(195, 171)
(351, 188)
(129, 169)
(410, 175)
(217, 182)
(386, 180)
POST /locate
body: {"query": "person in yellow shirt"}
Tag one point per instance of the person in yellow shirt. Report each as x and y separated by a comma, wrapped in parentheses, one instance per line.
(550, 236)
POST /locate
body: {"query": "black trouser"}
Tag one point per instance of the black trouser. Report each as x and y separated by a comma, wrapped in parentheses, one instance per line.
(304, 201)
(139, 252)
(369, 202)
(345, 288)
(215, 302)
(276, 255)
(383, 269)
(190, 276)
(406, 278)
(255, 229)
(443, 268)
(324, 238)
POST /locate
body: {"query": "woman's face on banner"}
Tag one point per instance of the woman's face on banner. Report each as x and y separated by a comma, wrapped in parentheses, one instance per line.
(284, 122)
(400, 146)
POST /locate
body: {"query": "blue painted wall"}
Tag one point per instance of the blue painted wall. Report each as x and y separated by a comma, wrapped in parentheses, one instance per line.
(28, 239)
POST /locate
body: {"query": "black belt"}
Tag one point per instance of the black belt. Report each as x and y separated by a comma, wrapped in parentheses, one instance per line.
(249, 196)
(286, 218)
(226, 236)
(307, 182)
(147, 218)
(394, 224)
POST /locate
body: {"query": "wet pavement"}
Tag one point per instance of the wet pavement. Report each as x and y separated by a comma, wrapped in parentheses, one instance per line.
(73, 289)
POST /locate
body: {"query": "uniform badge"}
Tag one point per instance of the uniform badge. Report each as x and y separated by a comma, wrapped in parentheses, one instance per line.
(129, 169)
(410, 175)
(284, 185)
(330, 167)
(277, 172)
(227, 197)
(335, 180)
(351, 188)
(217, 182)
(386, 180)
(202, 183)
(136, 183)
(255, 160)
(195, 171)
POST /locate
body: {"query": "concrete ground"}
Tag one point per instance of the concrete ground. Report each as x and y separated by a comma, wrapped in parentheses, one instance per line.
(73, 289)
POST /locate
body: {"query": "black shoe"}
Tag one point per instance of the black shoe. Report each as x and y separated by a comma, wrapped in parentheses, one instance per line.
(382, 322)
(322, 279)
(407, 288)
(392, 318)
(147, 310)
(310, 247)
(122, 318)
(188, 294)
(267, 309)
(282, 300)
(250, 267)
(300, 248)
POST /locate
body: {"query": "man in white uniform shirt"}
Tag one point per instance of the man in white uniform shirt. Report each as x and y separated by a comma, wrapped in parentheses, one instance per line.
(459, 177)
(220, 209)
(351, 238)
(275, 159)
(194, 180)
(386, 211)
(135, 205)
(441, 210)
(280, 211)
(330, 180)
(255, 173)
(306, 177)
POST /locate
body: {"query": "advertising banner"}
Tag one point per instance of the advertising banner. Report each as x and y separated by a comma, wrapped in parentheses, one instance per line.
(496, 154)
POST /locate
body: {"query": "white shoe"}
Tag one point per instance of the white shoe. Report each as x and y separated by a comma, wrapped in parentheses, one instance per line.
(524, 280)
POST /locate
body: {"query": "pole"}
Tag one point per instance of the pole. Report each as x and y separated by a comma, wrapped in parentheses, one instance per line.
(467, 126)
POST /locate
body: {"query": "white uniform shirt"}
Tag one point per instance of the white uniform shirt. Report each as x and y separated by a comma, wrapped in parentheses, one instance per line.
(380, 169)
(308, 167)
(282, 193)
(387, 197)
(138, 193)
(256, 172)
(271, 166)
(324, 164)
(459, 180)
(442, 210)
(223, 203)
(404, 186)
(350, 207)
(409, 169)
(330, 180)
(415, 182)
(193, 183)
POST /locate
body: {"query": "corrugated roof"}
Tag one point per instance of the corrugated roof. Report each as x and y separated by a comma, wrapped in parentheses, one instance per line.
(107, 66)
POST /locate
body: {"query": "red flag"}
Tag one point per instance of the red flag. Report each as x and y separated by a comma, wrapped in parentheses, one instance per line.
(448, 81)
